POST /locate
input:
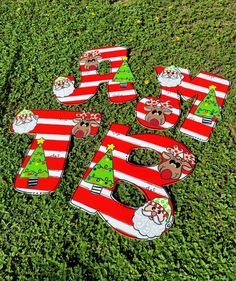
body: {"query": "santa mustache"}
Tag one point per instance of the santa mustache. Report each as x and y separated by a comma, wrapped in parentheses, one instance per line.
(155, 218)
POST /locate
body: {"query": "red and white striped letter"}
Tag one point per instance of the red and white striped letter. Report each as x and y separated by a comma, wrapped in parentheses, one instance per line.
(164, 112)
(118, 92)
(110, 165)
(43, 166)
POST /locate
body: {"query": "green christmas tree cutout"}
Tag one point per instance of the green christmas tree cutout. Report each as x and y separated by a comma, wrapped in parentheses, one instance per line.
(36, 167)
(102, 174)
(124, 74)
(208, 107)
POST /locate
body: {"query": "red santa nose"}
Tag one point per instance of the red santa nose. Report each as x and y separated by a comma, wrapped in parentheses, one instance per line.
(166, 174)
(154, 122)
(153, 213)
(79, 134)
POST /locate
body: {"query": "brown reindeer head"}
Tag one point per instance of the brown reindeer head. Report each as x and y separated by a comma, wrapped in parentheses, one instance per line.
(84, 124)
(91, 60)
(156, 112)
(176, 161)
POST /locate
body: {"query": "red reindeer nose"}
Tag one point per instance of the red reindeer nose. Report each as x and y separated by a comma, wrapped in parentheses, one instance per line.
(154, 122)
(79, 134)
(92, 67)
(166, 174)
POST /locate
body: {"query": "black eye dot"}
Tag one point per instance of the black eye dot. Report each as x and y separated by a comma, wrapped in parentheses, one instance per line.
(158, 211)
(159, 112)
(93, 60)
(172, 161)
(177, 165)
(87, 124)
(82, 123)
(154, 111)
(153, 208)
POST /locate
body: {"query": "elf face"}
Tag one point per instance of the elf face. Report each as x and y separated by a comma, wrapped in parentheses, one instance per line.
(24, 122)
(149, 222)
(170, 77)
(63, 87)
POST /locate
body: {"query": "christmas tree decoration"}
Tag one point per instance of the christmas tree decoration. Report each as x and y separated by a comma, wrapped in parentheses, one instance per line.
(176, 83)
(124, 74)
(91, 80)
(36, 167)
(208, 107)
(111, 162)
(102, 174)
(44, 163)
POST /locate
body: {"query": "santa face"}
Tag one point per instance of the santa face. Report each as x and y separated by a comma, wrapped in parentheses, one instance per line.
(63, 87)
(24, 124)
(149, 221)
(170, 78)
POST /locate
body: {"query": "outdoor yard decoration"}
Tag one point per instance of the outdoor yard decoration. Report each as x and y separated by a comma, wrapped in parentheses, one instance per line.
(110, 164)
(43, 166)
(164, 112)
(208, 107)
(44, 163)
(124, 74)
(120, 88)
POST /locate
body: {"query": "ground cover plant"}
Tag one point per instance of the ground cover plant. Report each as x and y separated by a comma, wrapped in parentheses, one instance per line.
(44, 238)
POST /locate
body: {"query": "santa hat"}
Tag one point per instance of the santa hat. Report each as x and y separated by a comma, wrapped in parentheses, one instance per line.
(23, 114)
(60, 78)
(163, 205)
(173, 68)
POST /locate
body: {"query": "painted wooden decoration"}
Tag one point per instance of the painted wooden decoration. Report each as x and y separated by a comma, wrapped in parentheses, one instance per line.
(110, 165)
(44, 163)
(120, 88)
(164, 112)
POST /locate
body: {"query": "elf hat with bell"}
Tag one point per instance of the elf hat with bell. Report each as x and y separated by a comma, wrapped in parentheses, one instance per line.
(163, 205)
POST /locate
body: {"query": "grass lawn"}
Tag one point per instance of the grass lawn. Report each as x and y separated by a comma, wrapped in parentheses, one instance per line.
(44, 238)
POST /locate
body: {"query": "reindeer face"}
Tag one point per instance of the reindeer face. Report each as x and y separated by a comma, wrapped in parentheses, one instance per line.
(156, 115)
(91, 61)
(173, 166)
(83, 127)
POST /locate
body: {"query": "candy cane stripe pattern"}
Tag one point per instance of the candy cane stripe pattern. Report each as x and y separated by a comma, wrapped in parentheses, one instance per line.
(120, 88)
(110, 165)
(44, 163)
(208, 90)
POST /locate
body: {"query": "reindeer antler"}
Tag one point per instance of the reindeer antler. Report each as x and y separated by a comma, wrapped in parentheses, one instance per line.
(90, 54)
(157, 102)
(175, 150)
(189, 158)
(90, 116)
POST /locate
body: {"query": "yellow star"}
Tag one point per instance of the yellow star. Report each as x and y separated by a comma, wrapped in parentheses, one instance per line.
(40, 141)
(212, 87)
(110, 146)
(125, 58)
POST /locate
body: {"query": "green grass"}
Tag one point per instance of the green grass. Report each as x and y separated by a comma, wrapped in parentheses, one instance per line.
(44, 238)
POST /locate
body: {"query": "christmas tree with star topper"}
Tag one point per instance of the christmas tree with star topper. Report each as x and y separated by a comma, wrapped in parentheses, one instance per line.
(208, 107)
(124, 74)
(36, 167)
(102, 174)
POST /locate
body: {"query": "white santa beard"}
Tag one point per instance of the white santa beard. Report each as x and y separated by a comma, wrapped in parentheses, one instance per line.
(169, 82)
(63, 92)
(24, 127)
(145, 226)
